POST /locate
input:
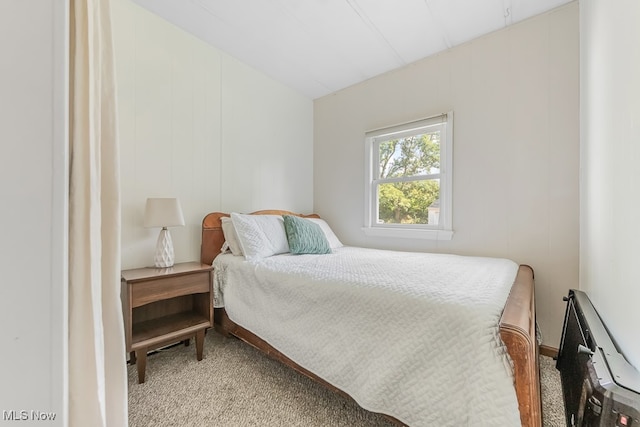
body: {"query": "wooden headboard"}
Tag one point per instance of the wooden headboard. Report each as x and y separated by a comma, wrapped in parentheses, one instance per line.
(212, 237)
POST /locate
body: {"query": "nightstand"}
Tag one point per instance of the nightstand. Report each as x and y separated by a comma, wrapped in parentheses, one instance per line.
(162, 306)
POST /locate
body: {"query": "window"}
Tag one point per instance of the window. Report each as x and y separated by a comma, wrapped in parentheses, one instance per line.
(408, 179)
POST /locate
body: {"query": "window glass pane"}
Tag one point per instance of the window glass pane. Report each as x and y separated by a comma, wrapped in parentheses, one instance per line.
(415, 202)
(410, 156)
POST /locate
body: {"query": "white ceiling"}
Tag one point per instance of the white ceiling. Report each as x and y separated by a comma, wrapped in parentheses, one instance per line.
(320, 46)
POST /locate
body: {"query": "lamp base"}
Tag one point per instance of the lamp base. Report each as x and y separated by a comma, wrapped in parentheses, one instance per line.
(164, 250)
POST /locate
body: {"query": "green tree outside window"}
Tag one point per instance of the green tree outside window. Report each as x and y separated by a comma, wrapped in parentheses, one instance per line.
(415, 159)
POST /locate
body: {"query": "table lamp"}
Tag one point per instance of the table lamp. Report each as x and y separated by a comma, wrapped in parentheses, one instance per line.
(163, 212)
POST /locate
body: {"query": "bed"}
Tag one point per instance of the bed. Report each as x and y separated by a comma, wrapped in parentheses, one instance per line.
(516, 332)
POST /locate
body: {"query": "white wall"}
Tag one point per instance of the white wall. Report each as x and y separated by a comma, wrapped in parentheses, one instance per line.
(33, 168)
(199, 125)
(610, 158)
(515, 96)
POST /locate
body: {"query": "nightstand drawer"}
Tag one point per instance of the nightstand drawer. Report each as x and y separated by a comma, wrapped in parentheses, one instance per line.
(149, 291)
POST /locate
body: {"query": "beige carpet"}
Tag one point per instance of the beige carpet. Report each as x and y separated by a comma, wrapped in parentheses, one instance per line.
(235, 385)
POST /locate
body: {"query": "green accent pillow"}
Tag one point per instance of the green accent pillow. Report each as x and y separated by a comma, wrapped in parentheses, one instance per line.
(304, 236)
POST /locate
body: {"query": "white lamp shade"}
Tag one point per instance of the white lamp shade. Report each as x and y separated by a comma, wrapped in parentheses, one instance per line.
(163, 212)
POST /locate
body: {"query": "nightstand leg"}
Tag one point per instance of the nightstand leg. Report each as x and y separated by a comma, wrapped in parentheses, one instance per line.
(132, 357)
(141, 355)
(186, 342)
(199, 343)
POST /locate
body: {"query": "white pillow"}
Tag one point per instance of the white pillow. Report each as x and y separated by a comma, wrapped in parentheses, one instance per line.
(230, 236)
(260, 236)
(334, 242)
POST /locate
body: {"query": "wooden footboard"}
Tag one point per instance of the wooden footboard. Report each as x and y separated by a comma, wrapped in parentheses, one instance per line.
(518, 332)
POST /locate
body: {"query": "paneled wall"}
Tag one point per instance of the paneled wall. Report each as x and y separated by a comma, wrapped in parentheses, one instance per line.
(199, 125)
(515, 98)
(610, 153)
(33, 190)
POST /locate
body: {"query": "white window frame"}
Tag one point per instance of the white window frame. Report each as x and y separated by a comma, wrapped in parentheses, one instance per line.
(443, 230)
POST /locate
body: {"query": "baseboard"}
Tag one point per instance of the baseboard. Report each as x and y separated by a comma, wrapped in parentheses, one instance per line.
(549, 351)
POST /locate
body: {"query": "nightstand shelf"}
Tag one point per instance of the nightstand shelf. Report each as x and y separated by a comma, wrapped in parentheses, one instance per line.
(162, 306)
(151, 333)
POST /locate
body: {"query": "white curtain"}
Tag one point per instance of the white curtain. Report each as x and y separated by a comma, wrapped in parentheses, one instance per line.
(97, 369)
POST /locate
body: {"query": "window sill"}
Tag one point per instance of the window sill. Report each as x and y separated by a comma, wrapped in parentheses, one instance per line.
(408, 233)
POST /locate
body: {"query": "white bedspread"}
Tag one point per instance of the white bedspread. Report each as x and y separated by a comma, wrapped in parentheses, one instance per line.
(411, 335)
